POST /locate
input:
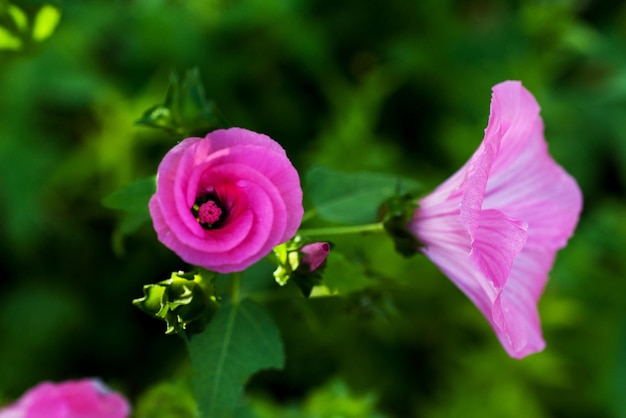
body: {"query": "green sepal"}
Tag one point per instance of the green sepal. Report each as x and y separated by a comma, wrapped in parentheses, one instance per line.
(185, 111)
(185, 301)
(396, 212)
(290, 267)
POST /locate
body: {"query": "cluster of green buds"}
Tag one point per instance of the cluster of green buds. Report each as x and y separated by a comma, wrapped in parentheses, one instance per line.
(301, 262)
(185, 301)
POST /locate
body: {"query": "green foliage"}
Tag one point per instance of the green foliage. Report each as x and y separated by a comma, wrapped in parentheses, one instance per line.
(334, 399)
(16, 32)
(186, 111)
(290, 267)
(352, 198)
(134, 197)
(384, 87)
(166, 400)
(397, 213)
(343, 276)
(8, 40)
(240, 340)
(132, 200)
(45, 22)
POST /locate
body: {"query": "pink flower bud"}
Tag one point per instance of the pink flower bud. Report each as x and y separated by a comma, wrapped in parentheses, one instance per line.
(315, 254)
(87, 398)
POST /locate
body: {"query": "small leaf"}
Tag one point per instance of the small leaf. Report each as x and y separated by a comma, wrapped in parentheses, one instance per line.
(158, 116)
(45, 22)
(19, 17)
(8, 40)
(240, 340)
(185, 110)
(134, 197)
(352, 198)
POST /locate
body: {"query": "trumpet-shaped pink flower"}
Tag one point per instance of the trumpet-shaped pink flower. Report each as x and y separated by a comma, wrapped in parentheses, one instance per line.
(495, 226)
(224, 201)
(87, 398)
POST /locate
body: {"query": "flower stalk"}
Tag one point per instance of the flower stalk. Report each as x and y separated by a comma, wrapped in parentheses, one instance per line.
(343, 230)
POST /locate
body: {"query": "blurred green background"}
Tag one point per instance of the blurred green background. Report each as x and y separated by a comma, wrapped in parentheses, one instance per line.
(395, 86)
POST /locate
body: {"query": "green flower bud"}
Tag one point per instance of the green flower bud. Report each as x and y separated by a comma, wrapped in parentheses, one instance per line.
(185, 301)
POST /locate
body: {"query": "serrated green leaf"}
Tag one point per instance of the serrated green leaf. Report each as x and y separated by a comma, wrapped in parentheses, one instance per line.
(352, 198)
(134, 197)
(46, 22)
(240, 340)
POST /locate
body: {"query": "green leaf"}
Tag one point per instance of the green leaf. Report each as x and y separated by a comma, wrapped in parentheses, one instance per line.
(45, 22)
(166, 400)
(343, 276)
(186, 110)
(240, 340)
(352, 198)
(132, 198)
(8, 40)
(19, 17)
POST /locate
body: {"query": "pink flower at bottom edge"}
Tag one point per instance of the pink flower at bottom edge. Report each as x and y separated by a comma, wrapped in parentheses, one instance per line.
(86, 398)
(495, 226)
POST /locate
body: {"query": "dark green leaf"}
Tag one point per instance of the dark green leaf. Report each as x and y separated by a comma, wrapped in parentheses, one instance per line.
(133, 197)
(352, 198)
(343, 276)
(240, 340)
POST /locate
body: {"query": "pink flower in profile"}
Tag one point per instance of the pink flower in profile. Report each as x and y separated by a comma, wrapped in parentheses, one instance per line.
(87, 398)
(495, 226)
(224, 201)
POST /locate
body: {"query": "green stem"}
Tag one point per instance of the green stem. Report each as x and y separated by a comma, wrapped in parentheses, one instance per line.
(343, 230)
(236, 280)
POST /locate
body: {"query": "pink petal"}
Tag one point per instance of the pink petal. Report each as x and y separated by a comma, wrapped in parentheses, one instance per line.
(315, 254)
(70, 399)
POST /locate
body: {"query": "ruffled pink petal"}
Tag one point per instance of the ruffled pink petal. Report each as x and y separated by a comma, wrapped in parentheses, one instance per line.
(494, 226)
(496, 242)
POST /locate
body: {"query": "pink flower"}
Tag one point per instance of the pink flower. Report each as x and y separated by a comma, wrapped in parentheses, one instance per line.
(87, 398)
(224, 201)
(495, 226)
(315, 254)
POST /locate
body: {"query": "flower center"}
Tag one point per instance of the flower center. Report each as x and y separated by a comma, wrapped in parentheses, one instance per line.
(208, 211)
